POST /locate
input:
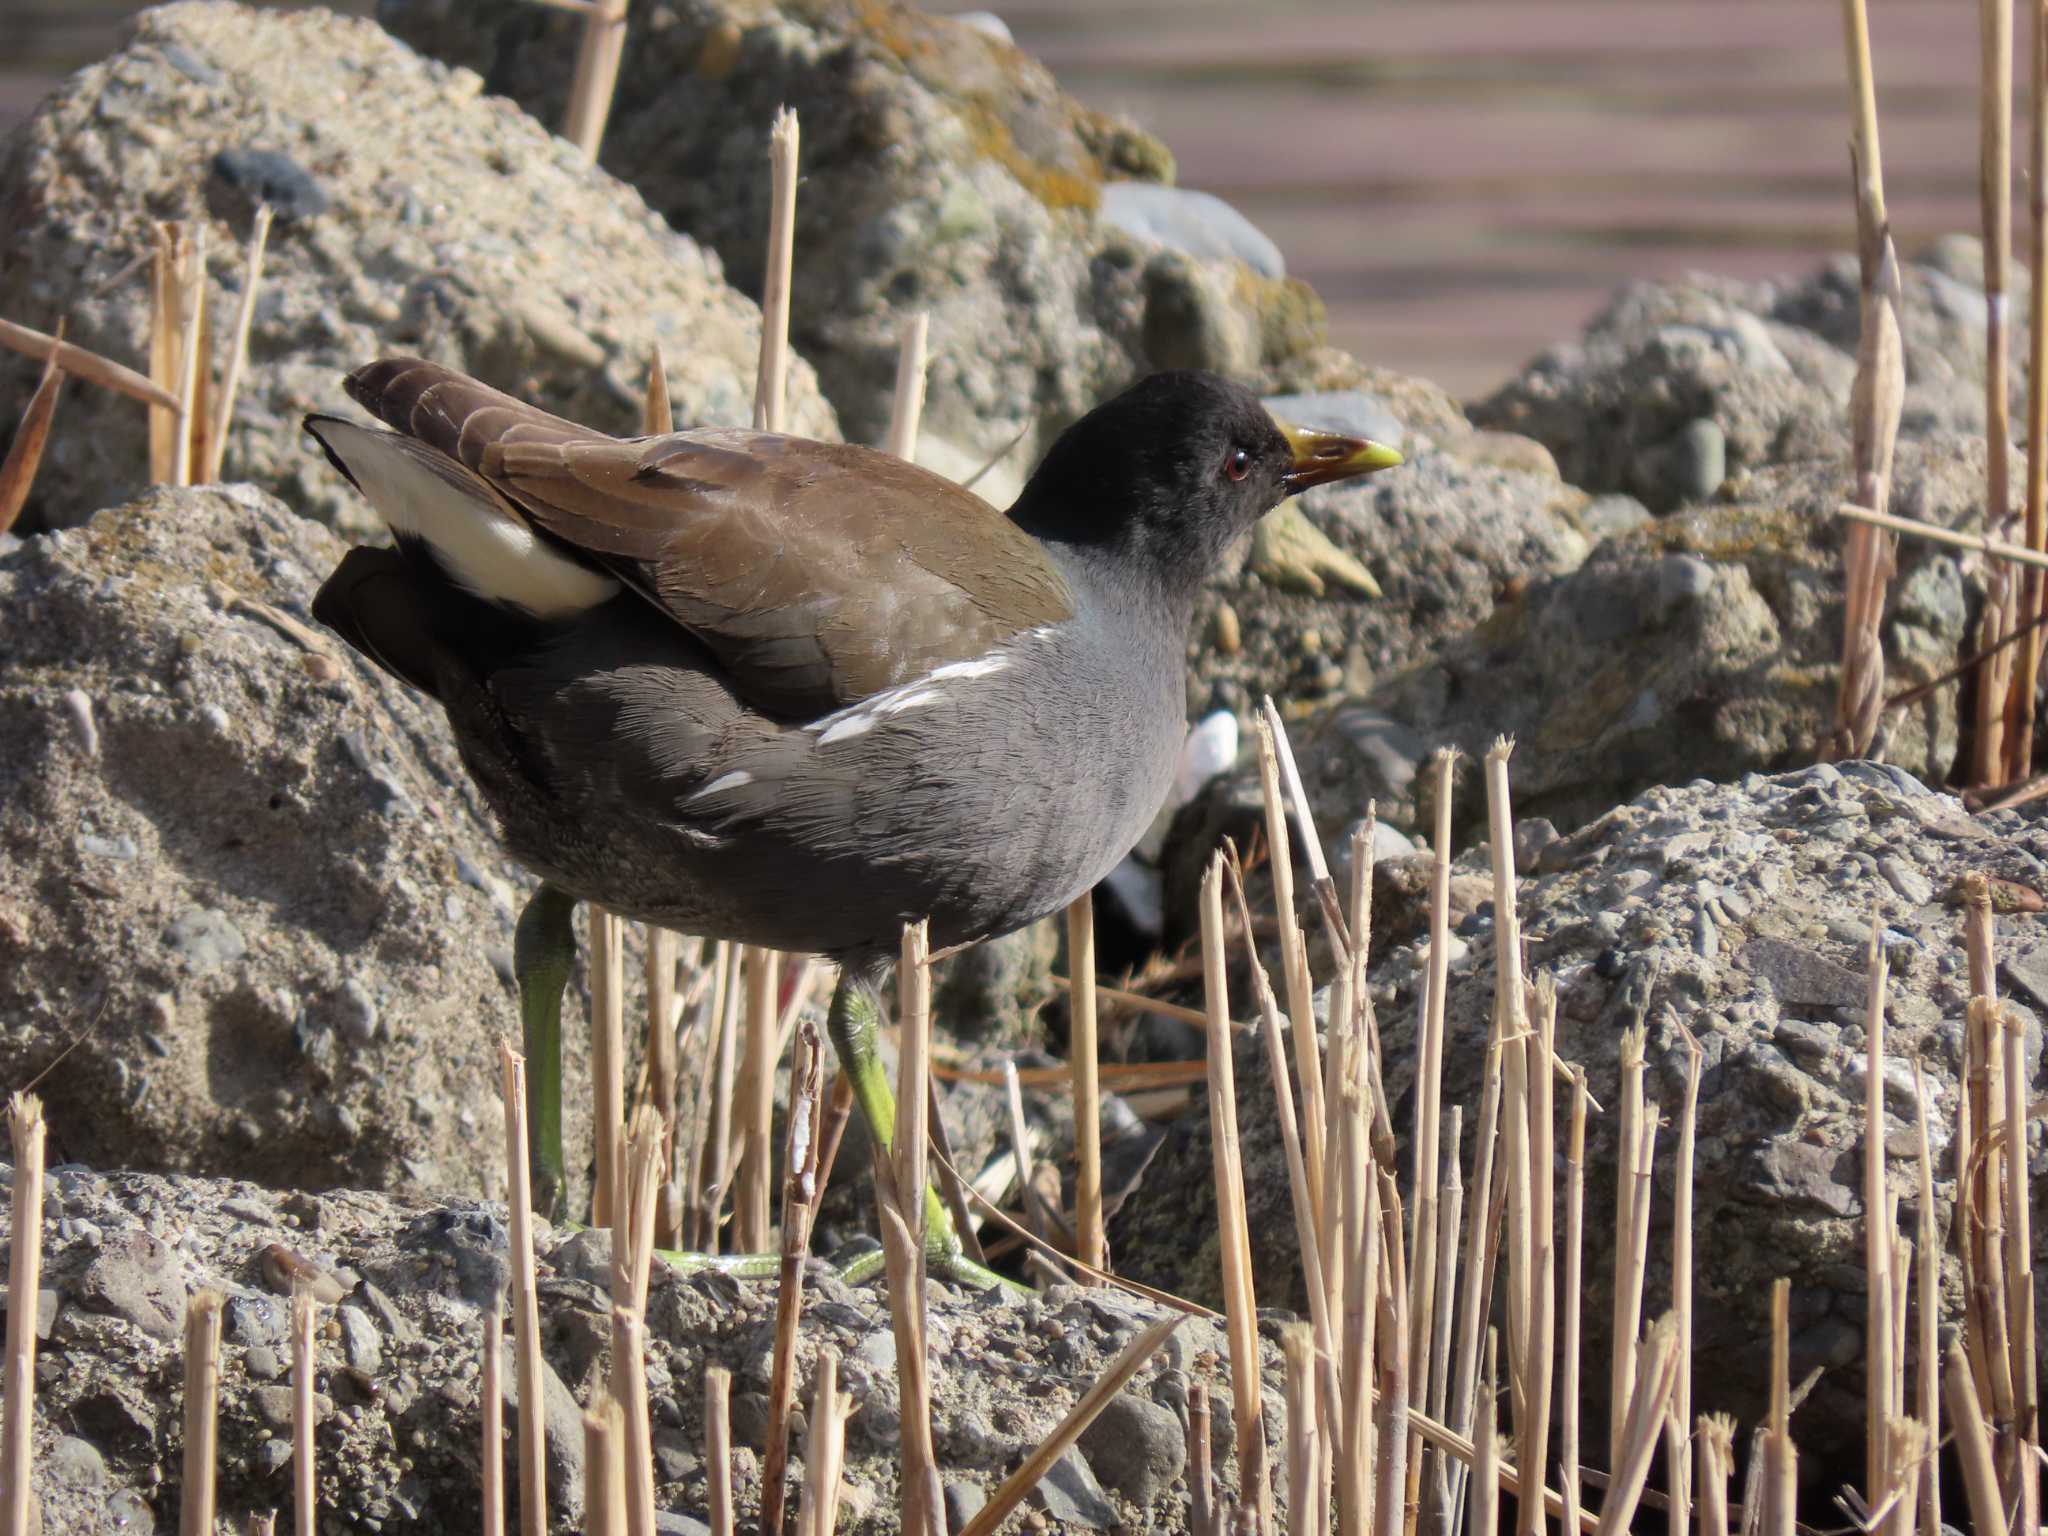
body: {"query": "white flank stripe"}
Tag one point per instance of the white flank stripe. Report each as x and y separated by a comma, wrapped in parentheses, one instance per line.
(725, 781)
(852, 725)
(910, 701)
(983, 667)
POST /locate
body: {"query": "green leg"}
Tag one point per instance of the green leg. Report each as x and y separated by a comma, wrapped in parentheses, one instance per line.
(855, 1018)
(543, 955)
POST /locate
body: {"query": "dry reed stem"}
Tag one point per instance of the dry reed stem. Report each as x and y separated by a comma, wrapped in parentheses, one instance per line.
(604, 1469)
(1569, 1480)
(492, 1458)
(1391, 1482)
(1648, 1400)
(825, 1446)
(1426, 1148)
(1358, 1246)
(1716, 1440)
(1877, 1234)
(636, 1428)
(907, 405)
(754, 1100)
(533, 1471)
(1201, 1480)
(900, 1183)
(238, 350)
(1973, 1444)
(1083, 1054)
(27, 1134)
(657, 414)
(1928, 1310)
(1982, 1213)
(305, 1317)
(264, 1524)
(2019, 701)
(1484, 1511)
(163, 355)
(1539, 1362)
(664, 1069)
(188, 288)
(1451, 1204)
(1294, 969)
(607, 1058)
(1780, 1494)
(1628, 1275)
(1994, 187)
(720, 1084)
(1137, 1002)
(1874, 405)
(25, 453)
(1240, 1306)
(89, 366)
(1680, 1467)
(771, 385)
(1307, 1513)
(202, 1410)
(1477, 1301)
(2019, 1283)
(1933, 533)
(718, 1449)
(799, 1207)
(1020, 1149)
(597, 75)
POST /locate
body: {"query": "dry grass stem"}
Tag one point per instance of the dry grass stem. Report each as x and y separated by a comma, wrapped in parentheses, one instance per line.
(636, 1427)
(771, 385)
(1628, 1271)
(2019, 1282)
(533, 1472)
(1137, 1002)
(1391, 1472)
(907, 405)
(1875, 401)
(1482, 1210)
(657, 414)
(1539, 1360)
(492, 1458)
(2018, 740)
(1779, 1500)
(1973, 1444)
(305, 1483)
(1680, 1466)
(1877, 1234)
(27, 1135)
(1201, 1480)
(951, 1187)
(799, 1205)
(1934, 533)
(1307, 1513)
(1451, 1205)
(89, 366)
(1483, 1513)
(754, 1100)
(1568, 1451)
(1083, 1054)
(25, 453)
(2001, 600)
(1927, 1313)
(718, 1449)
(1358, 1244)
(604, 1469)
(168, 409)
(238, 349)
(1240, 1307)
(202, 1409)
(900, 1185)
(1716, 1440)
(188, 297)
(719, 1084)
(1429, 1065)
(607, 1058)
(1013, 1489)
(597, 75)
(825, 1448)
(1649, 1400)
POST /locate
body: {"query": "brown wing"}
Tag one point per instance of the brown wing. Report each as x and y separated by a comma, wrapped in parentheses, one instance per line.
(817, 573)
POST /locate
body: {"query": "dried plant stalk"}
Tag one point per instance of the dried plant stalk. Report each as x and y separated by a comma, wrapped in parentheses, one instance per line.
(533, 1471)
(607, 1057)
(2001, 600)
(1780, 1493)
(2025, 1491)
(1874, 404)
(718, 1449)
(657, 414)
(1717, 1464)
(1391, 1481)
(25, 453)
(1628, 1274)
(1294, 969)
(825, 1449)
(799, 1207)
(714, 1159)
(1240, 1306)
(492, 1459)
(89, 366)
(1680, 1466)
(1013, 1488)
(1570, 1483)
(1357, 1245)
(188, 287)
(168, 411)
(1877, 1235)
(27, 1133)
(305, 1316)
(755, 1100)
(771, 386)
(1477, 1301)
(1307, 1514)
(238, 351)
(2019, 701)
(597, 75)
(604, 1470)
(907, 405)
(1201, 1479)
(1429, 1070)
(1973, 1444)
(1082, 1055)
(1539, 1360)
(1648, 1402)
(1484, 1510)
(635, 1425)
(1451, 1204)
(1927, 1304)
(202, 1410)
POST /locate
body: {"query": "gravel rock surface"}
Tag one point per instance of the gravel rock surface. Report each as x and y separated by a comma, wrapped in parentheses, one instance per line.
(415, 214)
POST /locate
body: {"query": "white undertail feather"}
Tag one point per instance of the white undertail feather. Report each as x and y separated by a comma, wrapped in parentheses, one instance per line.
(482, 543)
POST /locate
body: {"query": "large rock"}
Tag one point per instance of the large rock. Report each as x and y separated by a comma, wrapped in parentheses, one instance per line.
(250, 904)
(396, 1367)
(943, 171)
(415, 215)
(1679, 387)
(1740, 912)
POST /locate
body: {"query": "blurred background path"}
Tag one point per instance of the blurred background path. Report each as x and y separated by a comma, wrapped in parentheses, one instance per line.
(1465, 181)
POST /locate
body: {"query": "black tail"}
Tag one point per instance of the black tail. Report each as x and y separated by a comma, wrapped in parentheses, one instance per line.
(376, 601)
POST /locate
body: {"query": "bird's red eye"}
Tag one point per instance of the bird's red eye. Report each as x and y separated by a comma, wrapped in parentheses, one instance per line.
(1238, 464)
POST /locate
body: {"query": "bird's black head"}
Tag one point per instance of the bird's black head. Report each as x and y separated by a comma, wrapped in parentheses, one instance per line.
(1163, 477)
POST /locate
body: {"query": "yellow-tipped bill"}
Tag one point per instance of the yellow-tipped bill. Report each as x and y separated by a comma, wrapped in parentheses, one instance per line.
(1321, 457)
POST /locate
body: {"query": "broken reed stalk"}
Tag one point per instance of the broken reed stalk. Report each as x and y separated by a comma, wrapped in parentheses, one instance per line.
(1877, 1236)
(1451, 1205)
(238, 349)
(533, 1471)
(492, 1458)
(635, 1423)
(25, 453)
(1717, 1464)
(1994, 187)
(1389, 1505)
(1083, 1056)
(1780, 1501)
(1680, 1467)
(1973, 1444)
(664, 949)
(1927, 1303)
(305, 1317)
(1477, 1301)
(202, 1410)
(2019, 1282)
(760, 970)
(1011, 1492)
(607, 1058)
(1201, 1480)
(720, 1083)
(824, 1448)
(1357, 1248)
(1294, 968)
(771, 384)
(89, 366)
(900, 1184)
(657, 414)
(188, 290)
(2019, 699)
(1569, 1481)
(1233, 1237)
(1875, 401)
(907, 404)
(27, 1133)
(1642, 1429)
(1484, 1511)
(1429, 1066)
(1307, 1513)
(1628, 1274)
(597, 75)
(604, 1469)
(168, 411)
(799, 1206)
(718, 1449)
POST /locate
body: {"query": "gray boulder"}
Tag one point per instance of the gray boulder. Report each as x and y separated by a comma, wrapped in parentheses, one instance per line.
(415, 216)
(249, 901)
